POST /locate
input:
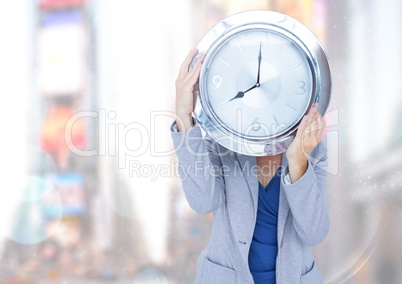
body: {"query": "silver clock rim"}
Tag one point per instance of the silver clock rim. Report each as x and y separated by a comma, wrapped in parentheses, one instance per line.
(215, 48)
(286, 26)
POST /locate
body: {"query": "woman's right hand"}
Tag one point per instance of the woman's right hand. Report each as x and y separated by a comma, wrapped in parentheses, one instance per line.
(185, 86)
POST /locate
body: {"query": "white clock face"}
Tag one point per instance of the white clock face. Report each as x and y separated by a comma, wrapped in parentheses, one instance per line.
(265, 105)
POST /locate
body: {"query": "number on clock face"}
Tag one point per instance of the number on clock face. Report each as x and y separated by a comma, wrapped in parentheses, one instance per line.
(264, 105)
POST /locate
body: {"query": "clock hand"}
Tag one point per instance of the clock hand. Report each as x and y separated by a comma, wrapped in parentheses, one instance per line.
(239, 95)
(259, 67)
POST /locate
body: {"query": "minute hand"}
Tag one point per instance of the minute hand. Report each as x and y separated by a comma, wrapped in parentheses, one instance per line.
(259, 67)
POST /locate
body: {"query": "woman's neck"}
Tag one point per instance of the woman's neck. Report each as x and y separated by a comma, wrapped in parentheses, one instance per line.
(267, 167)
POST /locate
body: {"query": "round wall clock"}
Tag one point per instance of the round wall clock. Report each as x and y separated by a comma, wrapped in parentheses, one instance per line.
(262, 73)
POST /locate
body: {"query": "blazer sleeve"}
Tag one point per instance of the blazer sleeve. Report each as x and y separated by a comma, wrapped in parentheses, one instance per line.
(199, 167)
(307, 199)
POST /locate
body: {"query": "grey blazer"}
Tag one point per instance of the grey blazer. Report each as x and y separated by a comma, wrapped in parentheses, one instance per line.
(217, 180)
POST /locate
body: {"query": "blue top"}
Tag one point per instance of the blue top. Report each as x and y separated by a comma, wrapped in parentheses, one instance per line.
(264, 246)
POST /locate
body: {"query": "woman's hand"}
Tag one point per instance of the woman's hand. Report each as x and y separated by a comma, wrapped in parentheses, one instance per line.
(185, 86)
(307, 138)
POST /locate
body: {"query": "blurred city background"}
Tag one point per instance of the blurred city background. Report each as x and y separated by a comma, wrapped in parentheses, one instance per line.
(89, 189)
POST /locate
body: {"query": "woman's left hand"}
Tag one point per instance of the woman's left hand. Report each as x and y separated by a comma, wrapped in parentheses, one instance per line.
(307, 138)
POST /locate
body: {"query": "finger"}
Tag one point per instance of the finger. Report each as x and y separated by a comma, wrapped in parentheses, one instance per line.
(308, 126)
(313, 116)
(196, 68)
(321, 127)
(309, 123)
(314, 108)
(186, 63)
(302, 126)
(316, 129)
(194, 74)
(312, 125)
(312, 131)
(315, 125)
(192, 81)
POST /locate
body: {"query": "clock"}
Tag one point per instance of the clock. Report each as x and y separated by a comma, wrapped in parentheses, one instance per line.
(262, 73)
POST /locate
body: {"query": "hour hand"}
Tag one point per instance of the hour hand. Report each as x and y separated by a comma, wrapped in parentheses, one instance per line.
(239, 95)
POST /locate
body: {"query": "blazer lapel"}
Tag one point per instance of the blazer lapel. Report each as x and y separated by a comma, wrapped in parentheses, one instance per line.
(247, 165)
(242, 203)
(283, 203)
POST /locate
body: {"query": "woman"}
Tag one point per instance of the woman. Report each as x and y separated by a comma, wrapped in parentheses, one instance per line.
(265, 220)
